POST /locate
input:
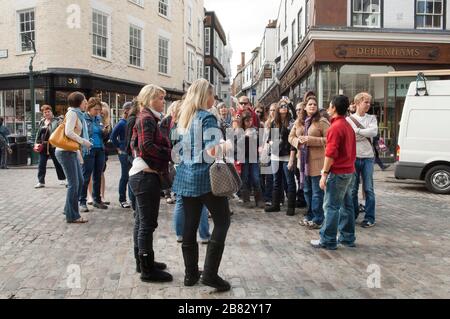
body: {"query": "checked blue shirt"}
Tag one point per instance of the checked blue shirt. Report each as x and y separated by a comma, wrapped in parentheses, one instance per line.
(192, 177)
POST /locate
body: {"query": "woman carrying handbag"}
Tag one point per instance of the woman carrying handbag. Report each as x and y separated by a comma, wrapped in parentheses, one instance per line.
(46, 127)
(193, 183)
(69, 142)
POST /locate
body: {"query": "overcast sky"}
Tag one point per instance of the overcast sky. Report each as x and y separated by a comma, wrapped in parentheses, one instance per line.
(244, 21)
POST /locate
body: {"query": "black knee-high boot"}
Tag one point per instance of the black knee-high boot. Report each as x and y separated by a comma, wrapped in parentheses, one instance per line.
(210, 275)
(190, 256)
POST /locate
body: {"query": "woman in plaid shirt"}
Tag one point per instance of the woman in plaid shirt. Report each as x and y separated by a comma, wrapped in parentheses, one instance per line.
(152, 153)
(199, 128)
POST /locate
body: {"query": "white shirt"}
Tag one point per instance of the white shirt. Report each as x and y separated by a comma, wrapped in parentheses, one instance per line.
(364, 148)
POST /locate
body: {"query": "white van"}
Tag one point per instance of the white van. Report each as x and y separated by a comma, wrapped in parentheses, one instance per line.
(423, 149)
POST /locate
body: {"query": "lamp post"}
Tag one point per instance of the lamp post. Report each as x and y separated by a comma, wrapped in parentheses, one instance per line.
(32, 97)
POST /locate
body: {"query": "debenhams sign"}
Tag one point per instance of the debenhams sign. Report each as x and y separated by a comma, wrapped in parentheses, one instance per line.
(381, 52)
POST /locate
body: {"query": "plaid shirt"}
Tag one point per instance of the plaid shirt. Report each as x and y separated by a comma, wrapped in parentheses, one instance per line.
(152, 146)
(192, 178)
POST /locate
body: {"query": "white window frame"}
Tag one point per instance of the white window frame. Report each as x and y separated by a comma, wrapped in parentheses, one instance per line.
(108, 34)
(139, 3)
(199, 33)
(189, 22)
(19, 32)
(140, 46)
(207, 74)
(163, 38)
(208, 41)
(433, 15)
(190, 65)
(200, 67)
(371, 5)
(164, 3)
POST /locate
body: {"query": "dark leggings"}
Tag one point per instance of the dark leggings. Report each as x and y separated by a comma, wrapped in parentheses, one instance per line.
(146, 187)
(220, 214)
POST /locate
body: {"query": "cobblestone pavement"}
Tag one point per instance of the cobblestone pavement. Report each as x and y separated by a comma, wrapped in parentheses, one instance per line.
(267, 256)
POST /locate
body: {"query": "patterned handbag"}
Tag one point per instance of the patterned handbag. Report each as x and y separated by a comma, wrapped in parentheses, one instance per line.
(225, 180)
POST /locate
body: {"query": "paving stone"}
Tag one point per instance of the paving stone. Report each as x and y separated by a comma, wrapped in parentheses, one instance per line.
(266, 256)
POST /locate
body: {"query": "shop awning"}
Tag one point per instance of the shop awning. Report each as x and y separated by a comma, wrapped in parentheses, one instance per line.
(397, 74)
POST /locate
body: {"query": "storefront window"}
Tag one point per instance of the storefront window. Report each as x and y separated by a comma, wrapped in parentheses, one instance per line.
(328, 84)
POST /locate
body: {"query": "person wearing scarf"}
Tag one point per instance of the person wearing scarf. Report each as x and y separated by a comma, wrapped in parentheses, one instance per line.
(76, 130)
(308, 136)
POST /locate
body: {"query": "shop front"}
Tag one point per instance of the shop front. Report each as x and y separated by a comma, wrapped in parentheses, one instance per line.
(331, 67)
(53, 88)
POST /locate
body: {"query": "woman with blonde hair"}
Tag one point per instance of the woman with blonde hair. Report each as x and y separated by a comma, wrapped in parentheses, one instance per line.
(192, 182)
(152, 155)
(308, 136)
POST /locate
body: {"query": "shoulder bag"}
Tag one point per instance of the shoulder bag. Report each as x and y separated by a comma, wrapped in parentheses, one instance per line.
(225, 180)
(60, 140)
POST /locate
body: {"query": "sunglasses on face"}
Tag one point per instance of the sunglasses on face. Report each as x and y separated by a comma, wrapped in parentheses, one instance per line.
(283, 107)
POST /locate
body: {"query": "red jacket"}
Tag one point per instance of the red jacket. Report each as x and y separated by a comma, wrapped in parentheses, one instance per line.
(341, 146)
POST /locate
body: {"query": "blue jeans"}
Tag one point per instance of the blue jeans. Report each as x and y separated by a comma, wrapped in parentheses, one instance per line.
(364, 171)
(125, 169)
(43, 159)
(178, 220)
(268, 187)
(72, 169)
(339, 212)
(314, 199)
(251, 177)
(94, 164)
(280, 171)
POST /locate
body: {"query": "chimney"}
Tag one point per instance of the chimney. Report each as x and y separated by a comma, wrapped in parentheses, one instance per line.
(242, 59)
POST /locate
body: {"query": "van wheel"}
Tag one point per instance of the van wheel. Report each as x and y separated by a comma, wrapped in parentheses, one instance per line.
(437, 179)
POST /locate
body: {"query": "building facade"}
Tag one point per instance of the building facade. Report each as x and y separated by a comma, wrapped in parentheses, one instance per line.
(216, 57)
(338, 47)
(104, 48)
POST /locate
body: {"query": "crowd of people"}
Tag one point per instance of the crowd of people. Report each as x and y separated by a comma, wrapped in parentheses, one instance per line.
(287, 156)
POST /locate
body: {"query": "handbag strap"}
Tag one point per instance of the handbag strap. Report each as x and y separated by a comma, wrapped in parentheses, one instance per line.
(360, 126)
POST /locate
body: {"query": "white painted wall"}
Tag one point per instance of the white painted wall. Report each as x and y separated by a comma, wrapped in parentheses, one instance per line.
(399, 14)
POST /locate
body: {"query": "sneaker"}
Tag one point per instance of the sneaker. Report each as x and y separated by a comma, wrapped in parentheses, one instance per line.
(317, 244)
(268, 203)
(39, 185)
(366, 224)
(90, 203)
(352, 245)
(125, 205)
(63, 183)
(179, 239)
(100, 206)
(204, 241)
(170, 201)
(313, 225)
(304, 222)
(84, 209)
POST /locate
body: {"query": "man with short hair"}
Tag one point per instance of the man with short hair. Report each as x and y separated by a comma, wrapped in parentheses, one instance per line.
(366, 128)
(337, 179)
(4, 145)
(245, 105)
(118, 138)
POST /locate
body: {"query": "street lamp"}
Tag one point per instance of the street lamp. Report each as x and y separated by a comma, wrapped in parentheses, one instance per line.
(32, 96)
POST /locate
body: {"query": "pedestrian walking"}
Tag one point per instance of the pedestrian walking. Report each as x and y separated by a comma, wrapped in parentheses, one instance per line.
(118, 139)
(308, 136)
(76, 130)
(152, 155)
(45, 150)
(337, 178)
(192, 182)
(366, 128)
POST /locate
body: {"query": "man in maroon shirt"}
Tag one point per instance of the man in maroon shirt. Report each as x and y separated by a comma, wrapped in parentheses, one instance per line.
(337, 179)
